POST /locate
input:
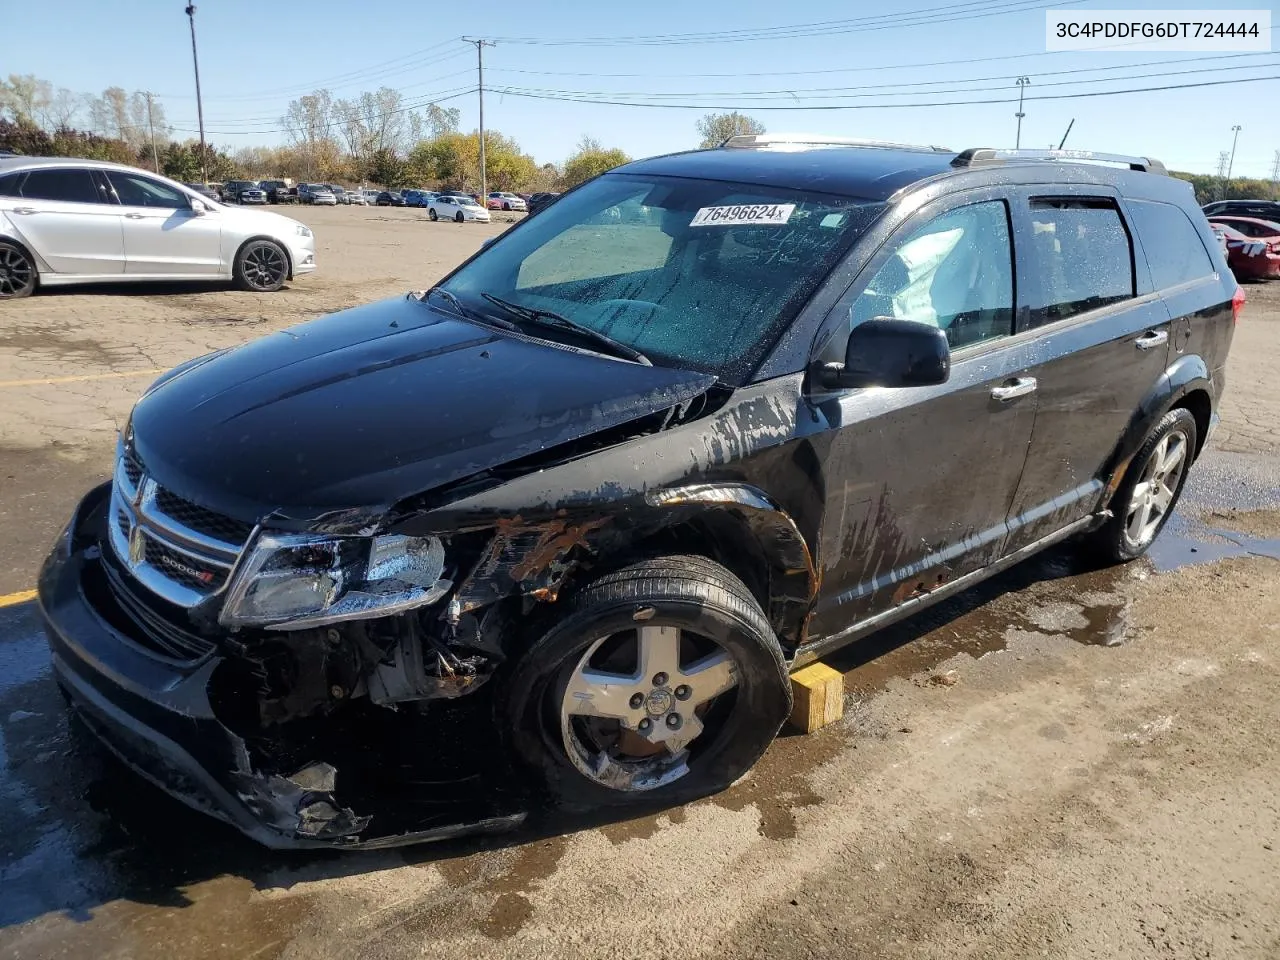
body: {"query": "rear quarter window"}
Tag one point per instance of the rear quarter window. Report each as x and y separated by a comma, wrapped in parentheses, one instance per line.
(1174, 250)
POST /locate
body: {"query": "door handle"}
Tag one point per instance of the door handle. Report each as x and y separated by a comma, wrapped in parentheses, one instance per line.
(24, 210)
(1019, 387)
(135, 216)
(1156, 338)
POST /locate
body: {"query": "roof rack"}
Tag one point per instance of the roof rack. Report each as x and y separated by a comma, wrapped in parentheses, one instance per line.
(745, 140)
(981, 156)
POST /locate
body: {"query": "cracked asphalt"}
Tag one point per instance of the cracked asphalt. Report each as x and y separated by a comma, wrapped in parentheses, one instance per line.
(1066, 762)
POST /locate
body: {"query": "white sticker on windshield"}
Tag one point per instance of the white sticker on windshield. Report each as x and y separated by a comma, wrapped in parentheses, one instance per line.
(759, 214)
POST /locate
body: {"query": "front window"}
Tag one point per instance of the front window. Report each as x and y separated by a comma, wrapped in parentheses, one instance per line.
(135, 190)
(699, 274)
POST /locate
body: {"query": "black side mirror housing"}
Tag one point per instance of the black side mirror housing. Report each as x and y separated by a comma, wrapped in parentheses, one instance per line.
(885, 352)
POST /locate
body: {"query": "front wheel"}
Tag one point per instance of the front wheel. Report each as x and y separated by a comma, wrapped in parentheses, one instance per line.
(17, 272)
(459, 217)
(431, 215)
(1150, 490)
(664, 682)
(261, 266)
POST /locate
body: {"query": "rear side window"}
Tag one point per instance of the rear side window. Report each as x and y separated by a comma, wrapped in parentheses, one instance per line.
(68, 186)
(9, 185)
(1081, 256)
(1172, 244)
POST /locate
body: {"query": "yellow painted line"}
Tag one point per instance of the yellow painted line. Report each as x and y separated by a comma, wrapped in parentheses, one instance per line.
(22, 596)
(80, 379)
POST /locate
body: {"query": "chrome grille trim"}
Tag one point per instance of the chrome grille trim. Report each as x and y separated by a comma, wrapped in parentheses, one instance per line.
(139, 527)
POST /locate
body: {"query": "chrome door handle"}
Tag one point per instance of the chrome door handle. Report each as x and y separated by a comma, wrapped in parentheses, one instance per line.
(135, 216)
(24, 210)
(1156, 338)
(1020, 387)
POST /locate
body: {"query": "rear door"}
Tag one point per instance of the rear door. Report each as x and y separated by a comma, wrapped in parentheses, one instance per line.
(1102, 335)
(66, 218)
(163, 234)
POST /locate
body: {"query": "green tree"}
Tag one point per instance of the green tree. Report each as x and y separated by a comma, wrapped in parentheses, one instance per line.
(589, 160)
(716, 128)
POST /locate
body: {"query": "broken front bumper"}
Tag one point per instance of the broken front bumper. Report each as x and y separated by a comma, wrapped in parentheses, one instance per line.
(157, 717)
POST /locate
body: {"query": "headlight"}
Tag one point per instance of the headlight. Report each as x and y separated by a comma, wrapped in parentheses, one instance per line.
(301, 230)
(293, 582)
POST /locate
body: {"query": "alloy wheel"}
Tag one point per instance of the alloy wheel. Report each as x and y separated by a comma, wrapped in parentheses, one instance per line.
(1157, 485)
(636, 701)
(17, 273)
(264, 265)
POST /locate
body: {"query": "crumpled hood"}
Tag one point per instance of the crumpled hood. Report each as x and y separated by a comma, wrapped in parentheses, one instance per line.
(371, 405)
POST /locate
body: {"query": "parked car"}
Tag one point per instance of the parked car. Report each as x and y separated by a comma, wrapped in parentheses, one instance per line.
(357, 197)
(370, 196)
(1262, 209)
(1250, 227)
(1249, 258)
(390, 198)
(339, 194)
(232, 188)
(541, 200)
(452, 207)
(253, 195)
(316, 193)
(204, 190)
(65, 221)
(554, 532)
(506, 201)
(278, 191)
(417, 198)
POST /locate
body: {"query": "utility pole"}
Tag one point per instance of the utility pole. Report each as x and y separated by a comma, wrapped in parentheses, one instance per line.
(1235, 137)
(1275, 168)
(1223, 159)
(195, 62)
(155, 159)
(1022, 89)
(484, 174)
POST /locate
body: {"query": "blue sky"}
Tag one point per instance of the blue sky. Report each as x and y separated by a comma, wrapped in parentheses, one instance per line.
(255, 57)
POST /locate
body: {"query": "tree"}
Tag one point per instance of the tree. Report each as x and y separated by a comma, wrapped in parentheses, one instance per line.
(309, 122)
(589, 160)
(181, 161)
(716, 128)
(452, 160)
(24, 98)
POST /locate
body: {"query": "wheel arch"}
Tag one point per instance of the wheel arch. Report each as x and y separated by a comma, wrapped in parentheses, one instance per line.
(288, 256)
(41, 266)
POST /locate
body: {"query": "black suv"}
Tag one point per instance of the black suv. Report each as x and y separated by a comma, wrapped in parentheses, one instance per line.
(1262, 209)
(277, 191)
(553, 532)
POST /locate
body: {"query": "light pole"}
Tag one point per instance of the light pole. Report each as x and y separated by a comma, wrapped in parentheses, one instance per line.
(1022, 88)
(195, 62)
(1235, 137)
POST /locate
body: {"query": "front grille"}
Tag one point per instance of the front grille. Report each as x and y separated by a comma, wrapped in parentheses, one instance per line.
(152, 624)
(132, 466)
(185, 569)
(196, 517)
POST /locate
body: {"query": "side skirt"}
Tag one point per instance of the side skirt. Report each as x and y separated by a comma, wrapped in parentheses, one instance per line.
(819, 648)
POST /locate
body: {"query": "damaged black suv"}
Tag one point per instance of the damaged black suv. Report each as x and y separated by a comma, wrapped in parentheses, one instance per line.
(552, 533)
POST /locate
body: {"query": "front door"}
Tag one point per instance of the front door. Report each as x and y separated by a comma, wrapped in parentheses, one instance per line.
(64, 216)
(1104, 339)
(163, 234)
(920, 480)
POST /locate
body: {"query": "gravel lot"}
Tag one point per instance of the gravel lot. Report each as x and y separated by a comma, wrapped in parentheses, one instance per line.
(1064, 763)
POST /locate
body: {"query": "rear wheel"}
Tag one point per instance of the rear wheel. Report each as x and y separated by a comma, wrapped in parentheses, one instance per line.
(459, 217)
(17, 272)
(261, 266)
(664, 682)
(1150, 490)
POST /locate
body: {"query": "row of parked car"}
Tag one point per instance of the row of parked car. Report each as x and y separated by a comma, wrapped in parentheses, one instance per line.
(1249, 231)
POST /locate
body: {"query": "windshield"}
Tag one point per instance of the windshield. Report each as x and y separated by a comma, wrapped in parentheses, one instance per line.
(468, 202)
(699, 274)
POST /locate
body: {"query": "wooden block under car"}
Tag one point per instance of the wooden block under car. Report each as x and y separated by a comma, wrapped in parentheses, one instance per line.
(818, 695)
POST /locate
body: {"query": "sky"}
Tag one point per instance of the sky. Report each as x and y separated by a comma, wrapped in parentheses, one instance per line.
(255, 58)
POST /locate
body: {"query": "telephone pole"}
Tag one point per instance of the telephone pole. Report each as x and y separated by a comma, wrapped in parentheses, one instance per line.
(195, 62)
(484, 174)
(155, 159)
(1022, 89)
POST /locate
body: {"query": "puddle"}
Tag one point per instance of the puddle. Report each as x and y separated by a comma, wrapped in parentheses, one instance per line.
(1186, 541)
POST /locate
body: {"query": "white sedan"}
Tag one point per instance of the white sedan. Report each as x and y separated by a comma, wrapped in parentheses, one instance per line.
(66, 221)
(452, 207)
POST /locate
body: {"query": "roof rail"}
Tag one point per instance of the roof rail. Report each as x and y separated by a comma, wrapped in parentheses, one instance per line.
(981, 156)
(745, 140)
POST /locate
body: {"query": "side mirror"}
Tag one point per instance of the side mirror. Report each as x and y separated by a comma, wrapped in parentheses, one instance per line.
(198, 207)
(884, 352)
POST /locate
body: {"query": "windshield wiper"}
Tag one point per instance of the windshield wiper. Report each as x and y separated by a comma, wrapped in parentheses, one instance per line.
(546, 318)
(470, 315)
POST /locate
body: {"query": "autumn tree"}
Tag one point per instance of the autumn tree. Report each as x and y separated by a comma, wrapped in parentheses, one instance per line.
(590, 159)
(716, 128)
(309, 122)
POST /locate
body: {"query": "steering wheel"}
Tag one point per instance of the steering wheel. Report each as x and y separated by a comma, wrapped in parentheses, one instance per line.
(621, 302)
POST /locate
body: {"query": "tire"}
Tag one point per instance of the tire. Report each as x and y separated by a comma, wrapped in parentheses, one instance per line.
(458, 217)
(506, 206)
(18, 274)
(1126, 536)
(715, 621)
(431, 215)
(261, 266)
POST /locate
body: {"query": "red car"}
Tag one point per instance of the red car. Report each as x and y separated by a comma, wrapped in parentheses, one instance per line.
(1249, 258)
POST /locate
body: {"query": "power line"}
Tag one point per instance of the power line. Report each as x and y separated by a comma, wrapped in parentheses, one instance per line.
(882, 106)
